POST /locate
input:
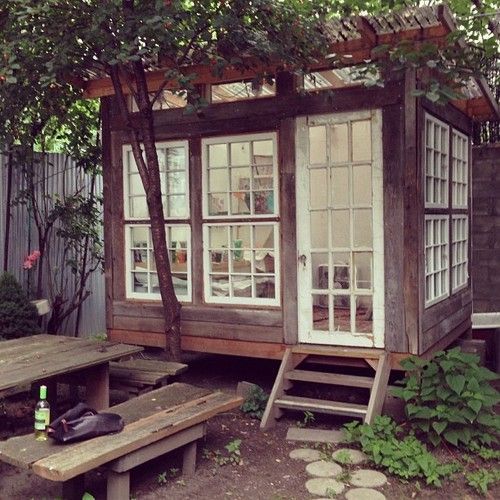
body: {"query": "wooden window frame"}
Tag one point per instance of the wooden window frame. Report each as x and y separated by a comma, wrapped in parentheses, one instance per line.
(461, 163)
(456, 265)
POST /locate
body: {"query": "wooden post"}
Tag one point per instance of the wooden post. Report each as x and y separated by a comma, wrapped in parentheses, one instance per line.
(73, 489)
(189, 459)
(97, 384)
(118, 485)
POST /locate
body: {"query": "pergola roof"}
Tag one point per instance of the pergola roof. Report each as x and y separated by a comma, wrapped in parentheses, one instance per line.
(352, 40)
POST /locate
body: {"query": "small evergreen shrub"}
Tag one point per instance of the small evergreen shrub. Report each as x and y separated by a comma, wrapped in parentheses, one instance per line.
(450, 398)
(18, 316)
(255, 402)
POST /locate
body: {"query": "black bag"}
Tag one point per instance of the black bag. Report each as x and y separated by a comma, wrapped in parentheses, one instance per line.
(82, 422)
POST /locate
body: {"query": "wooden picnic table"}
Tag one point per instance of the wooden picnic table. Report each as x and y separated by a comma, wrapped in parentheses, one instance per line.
(46, 357)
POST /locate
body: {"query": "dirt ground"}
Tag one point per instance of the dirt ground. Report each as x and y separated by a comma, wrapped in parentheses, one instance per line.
(265, 473)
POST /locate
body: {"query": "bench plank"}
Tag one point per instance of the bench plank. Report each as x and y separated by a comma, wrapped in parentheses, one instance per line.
(168, 367)
(125, 375)
(88, 455)
(22, 451)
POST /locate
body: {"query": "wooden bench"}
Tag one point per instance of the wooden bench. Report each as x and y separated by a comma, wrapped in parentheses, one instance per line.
(138, 376)
(155, 423)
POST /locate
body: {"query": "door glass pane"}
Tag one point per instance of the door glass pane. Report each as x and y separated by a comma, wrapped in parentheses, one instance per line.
(240, 203)
(218, 236)
(240, 237)
(362, 184)
(176, 182)
(176, 159)
(217, 203)
(265, 287)
(340, 229)
(319, 232)
(342, 313)
(341, 270)
(262, 153)
(242, 286)
(263, 202)
(264, 236)
(339, 143)
(363, 270)
(218, 179)
(361, 141)
(138, 207)
(320, 313)
(264, 261)
(319, 271)
(177, 206)
(364, 314)
(140, 237)
(317, 145)
(318, 185)
(340, 186)
(139, 260)
(140, 282)
(219, 286)
(135, 185)
(363, 227)
(180, 284)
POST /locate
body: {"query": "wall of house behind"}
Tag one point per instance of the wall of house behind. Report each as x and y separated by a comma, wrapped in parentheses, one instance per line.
(23, 240)
(486, 228)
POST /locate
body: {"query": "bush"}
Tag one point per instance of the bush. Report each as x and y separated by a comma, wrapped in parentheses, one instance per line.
(18, 316)
(449, 397)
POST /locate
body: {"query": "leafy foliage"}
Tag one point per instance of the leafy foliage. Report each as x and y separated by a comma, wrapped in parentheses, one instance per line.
(482, 479)
(450, 398)
(403, 456)
(18, 317)
(255, 402)
(232, 455)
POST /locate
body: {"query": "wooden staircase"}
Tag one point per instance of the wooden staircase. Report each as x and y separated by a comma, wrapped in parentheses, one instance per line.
(295, 367)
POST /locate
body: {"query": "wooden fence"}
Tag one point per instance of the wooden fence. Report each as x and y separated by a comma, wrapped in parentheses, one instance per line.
(18, 236)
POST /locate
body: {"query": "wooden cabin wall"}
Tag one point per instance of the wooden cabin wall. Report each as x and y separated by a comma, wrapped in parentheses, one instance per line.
(450, 318)
(254, 331)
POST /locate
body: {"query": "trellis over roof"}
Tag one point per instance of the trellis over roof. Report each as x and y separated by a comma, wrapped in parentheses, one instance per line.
(352, 40)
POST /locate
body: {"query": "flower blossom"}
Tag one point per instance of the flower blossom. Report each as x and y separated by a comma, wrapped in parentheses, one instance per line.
(30, 260)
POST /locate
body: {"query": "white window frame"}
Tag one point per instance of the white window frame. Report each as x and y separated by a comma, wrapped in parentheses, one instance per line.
(462, 164)
(441, 203)
(456, 264)
(228, 140)
(126, 194)
(209, 298)
(130, 293)
(429, 301)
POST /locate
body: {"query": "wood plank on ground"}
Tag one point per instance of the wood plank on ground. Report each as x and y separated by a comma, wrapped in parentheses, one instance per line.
(314, 435)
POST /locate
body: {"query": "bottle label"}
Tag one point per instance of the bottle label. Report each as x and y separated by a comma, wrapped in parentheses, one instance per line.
(42, 419)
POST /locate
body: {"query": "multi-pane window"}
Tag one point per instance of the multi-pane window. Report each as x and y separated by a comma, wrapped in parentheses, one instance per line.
(241, 262)
(460, 169)
(142, 275)
(173, 163)
(459, 251)
(141, 271)
(436, 163)
(436, 258)
(240, 188)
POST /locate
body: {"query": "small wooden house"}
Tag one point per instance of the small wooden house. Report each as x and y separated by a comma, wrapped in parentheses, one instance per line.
(317, 216)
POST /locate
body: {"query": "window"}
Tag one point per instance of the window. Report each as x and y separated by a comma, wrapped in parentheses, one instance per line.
(240, 188)
(459, 242)
(436, 258)
(446, 171)
(173, 160)
(166, 100)
(238, 91)
(141, 273)
(460, 169)
(436, 163)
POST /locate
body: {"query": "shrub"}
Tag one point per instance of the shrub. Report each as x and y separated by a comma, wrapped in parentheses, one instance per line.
(449, 397)
(255, 402)
(18, 316)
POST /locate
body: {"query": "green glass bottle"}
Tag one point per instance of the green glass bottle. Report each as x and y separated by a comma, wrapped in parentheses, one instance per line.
(42, 415)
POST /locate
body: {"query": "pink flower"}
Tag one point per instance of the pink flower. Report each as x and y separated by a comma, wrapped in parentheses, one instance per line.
(30, 260)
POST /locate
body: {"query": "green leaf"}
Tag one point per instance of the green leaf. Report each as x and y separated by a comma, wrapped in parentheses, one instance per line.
(439, 427)
(456, 382)
(475, 405)
(452, 437)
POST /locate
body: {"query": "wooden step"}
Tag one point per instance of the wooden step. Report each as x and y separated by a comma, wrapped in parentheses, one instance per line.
(167, 367)
(153, 378)
(321, 406)
(330, 378)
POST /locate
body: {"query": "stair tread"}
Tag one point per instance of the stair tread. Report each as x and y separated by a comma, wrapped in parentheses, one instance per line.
(320, 405)
(330, 378)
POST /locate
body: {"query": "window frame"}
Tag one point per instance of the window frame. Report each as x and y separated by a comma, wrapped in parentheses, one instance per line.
(205, 142)
(465, 160)
(465, 262)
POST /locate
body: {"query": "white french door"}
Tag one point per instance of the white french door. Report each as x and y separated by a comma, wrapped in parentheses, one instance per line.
(340, 229)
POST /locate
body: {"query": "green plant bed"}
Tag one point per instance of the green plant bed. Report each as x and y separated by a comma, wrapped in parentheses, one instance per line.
(18, 316)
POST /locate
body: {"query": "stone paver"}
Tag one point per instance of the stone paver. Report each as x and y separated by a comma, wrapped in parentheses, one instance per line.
(314, 435)
(305, 454)
(367, 478)
(324, 486)
(354, 456)
(364, 494)
(322, 468)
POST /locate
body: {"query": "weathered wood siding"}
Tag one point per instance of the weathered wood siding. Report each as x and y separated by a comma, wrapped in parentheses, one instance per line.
(486, 228)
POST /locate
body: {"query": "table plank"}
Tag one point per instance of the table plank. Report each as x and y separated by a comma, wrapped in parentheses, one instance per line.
(43, 356)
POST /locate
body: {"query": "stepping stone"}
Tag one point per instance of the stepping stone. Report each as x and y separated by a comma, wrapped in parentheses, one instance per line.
(322, 468)
(324, 486)
(305, 454)
(367, 478)
(352, 457)
(314, 435)
(364, 494)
